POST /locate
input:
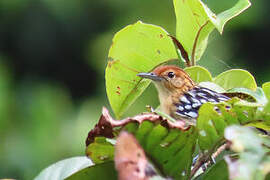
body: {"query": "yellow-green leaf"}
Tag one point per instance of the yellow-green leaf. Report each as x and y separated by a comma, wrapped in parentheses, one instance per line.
(199, 74)
(136, 48)
(236, 78)
(195, 21)
(266, 89)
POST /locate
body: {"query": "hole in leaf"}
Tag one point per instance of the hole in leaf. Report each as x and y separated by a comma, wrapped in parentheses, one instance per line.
(228, 107)
(183, 173)
(202, 133)
(217, 110)
(102, 158)
(245, 113)
(165, 144)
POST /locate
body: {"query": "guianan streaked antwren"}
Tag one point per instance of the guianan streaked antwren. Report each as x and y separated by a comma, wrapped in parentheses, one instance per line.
(179, 96)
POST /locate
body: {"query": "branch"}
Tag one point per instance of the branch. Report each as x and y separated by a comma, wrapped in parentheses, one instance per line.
(204, 157)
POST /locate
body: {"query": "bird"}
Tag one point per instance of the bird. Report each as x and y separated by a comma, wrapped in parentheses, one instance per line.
(180, 97)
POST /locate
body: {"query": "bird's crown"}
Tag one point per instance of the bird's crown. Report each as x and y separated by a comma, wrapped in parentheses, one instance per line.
(170, 72)
(169, 76)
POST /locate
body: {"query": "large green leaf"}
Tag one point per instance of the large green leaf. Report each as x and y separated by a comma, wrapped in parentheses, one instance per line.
(64, 168)
(266, 111)
(195, 21)
(199, 74)
(136, 48)
(236, 78)
(171, 149)
(253, 150)
(100, 150)
(99, 171)
(225, 16)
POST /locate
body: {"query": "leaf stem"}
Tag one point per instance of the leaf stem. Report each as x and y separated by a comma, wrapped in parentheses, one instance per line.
(193, 61)
(179, 46)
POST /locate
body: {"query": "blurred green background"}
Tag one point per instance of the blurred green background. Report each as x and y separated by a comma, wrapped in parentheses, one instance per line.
(52, 60)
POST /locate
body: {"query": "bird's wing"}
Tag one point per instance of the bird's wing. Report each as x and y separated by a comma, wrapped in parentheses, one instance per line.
(192, 100)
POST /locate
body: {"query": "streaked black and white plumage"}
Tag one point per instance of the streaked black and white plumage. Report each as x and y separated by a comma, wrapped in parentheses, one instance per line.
(191, 101)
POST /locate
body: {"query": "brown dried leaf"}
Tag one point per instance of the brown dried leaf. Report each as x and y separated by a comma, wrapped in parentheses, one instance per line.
(130, 159)
(106, 124)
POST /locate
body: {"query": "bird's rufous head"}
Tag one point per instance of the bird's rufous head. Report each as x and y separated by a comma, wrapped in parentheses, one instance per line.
(169, 77)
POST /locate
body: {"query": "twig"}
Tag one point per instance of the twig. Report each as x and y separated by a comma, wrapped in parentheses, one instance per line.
(218, 152)
(201, 160)
(204, 157)
(221, 149)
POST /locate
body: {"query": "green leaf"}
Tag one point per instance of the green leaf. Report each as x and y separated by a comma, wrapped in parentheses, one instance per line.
(195, 21)
(100, 171)
(64, 168)
(214, 118)
(175, 157)
(136, 48)
(266, 89)
(236, 78)
(255, 96)
(225, 16)
(254, 160)
(100, 150)
(192, 26)
(212, 86)
(199, 74)
(210, 125)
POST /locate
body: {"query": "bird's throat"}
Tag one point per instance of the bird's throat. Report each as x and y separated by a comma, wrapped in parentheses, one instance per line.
(165, 98)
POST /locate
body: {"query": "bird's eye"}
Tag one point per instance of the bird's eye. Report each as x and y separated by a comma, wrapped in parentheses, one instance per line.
(171, 74)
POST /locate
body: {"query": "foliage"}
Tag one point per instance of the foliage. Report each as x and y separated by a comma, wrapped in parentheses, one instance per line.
(141, 47)
(169, 148)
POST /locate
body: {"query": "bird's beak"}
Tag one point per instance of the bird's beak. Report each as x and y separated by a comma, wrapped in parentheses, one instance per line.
(151, 76)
